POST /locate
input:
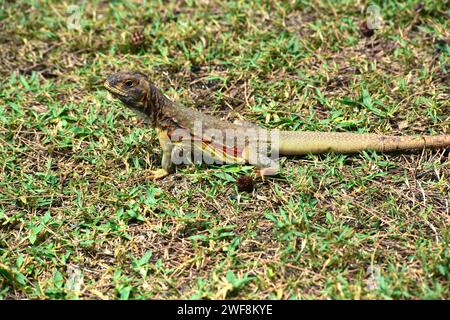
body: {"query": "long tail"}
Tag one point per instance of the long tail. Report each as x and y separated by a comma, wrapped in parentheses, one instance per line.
(303, 142)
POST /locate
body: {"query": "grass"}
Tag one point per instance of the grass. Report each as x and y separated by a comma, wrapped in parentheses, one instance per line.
(78, 219)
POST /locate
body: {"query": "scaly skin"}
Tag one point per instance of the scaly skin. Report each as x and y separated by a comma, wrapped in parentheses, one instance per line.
(140, 95)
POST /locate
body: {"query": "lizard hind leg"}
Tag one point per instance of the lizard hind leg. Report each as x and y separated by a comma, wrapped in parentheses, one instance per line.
(265, 165)
(268, 171)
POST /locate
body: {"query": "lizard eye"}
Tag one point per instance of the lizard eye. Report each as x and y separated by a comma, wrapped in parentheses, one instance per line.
(128, 83)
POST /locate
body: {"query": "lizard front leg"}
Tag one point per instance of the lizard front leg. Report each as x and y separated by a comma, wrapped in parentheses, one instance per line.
(166, 163)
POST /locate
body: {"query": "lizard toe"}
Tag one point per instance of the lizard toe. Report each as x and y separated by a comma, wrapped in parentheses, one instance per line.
(157, 174)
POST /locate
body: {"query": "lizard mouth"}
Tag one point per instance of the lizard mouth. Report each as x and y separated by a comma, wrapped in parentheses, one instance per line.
(114, 90)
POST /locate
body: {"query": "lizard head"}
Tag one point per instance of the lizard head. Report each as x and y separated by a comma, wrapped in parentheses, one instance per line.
(131, 88)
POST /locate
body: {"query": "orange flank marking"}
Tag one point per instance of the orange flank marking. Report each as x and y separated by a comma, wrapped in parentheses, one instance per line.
(224, 151)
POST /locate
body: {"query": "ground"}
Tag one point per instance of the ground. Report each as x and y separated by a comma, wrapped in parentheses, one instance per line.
(79, 219)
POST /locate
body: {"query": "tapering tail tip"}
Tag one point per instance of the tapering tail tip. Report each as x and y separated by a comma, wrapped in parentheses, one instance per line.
(297, 143)
(442, 141)
(389, 143)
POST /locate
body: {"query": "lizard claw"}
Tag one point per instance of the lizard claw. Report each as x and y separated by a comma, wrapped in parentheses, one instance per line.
(157, 174)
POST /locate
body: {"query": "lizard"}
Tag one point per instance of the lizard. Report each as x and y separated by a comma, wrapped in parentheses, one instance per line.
(183, 129)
